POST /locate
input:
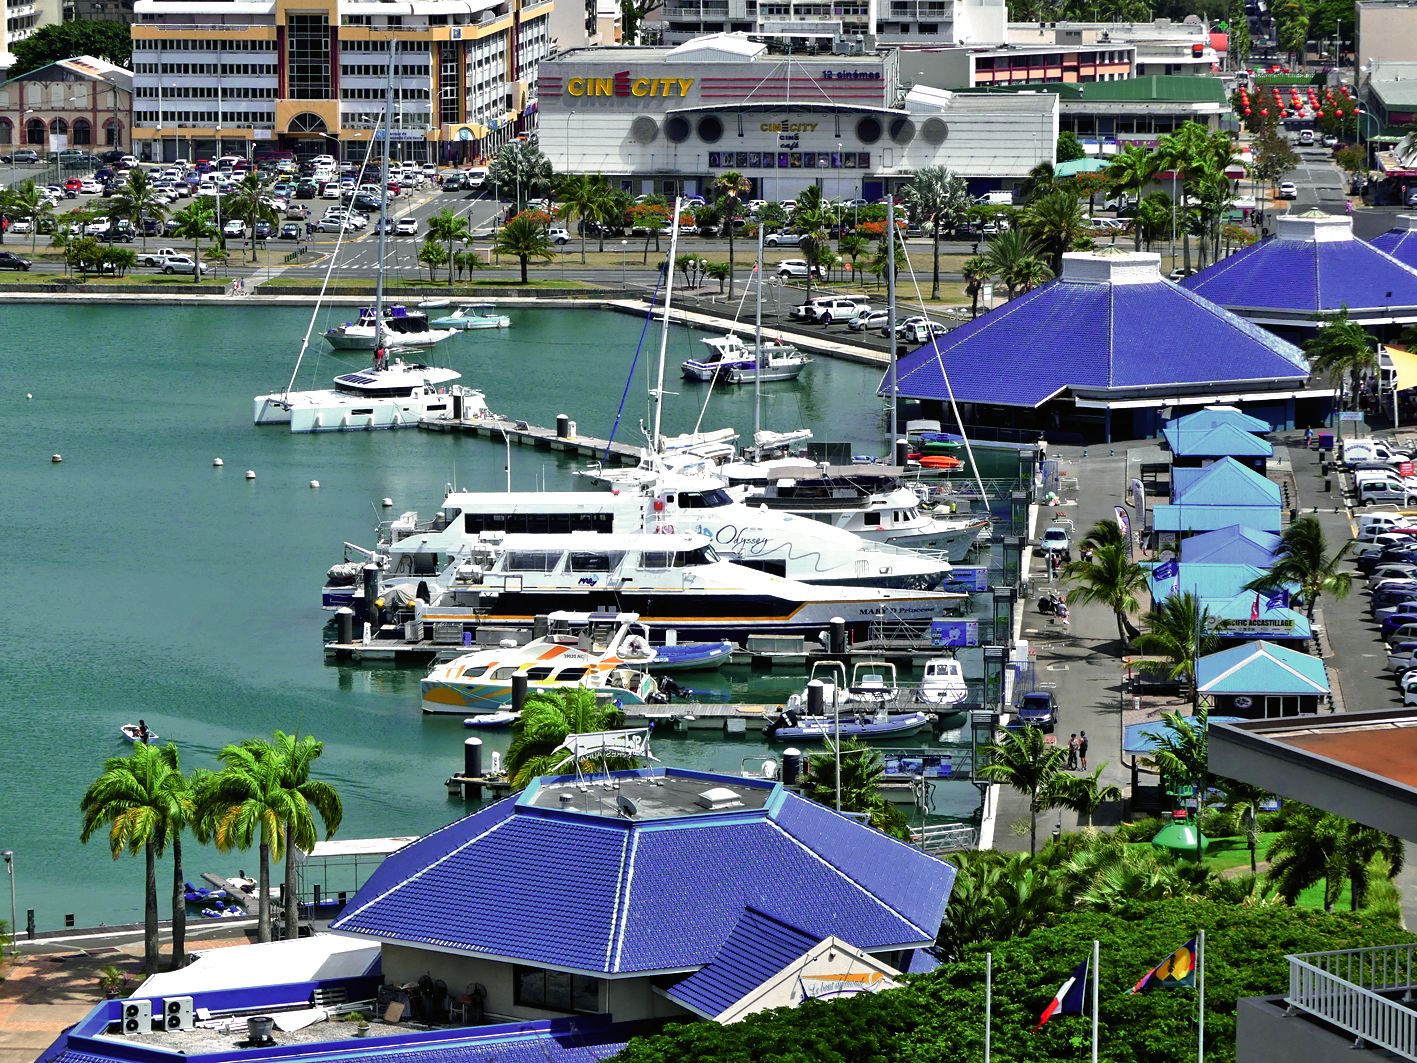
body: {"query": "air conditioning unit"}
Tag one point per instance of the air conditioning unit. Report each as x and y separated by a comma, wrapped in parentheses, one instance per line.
(137, 1016)
(177, 1013)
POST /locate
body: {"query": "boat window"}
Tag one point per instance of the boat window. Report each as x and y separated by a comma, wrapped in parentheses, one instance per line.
(538, 523)
(505, 673)
(585, 561)
(702, 556)
(657, 559)
(705, 499)
(530, 560)
(570, 675)
(873, 520)
(425, 564)
(535, 675)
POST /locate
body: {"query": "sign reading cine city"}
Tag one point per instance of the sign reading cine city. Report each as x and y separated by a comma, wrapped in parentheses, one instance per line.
(622, 84)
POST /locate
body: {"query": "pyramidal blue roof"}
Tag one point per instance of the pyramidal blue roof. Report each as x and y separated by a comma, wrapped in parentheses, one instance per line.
(1232, 545)
(1214, 416)
(1262, 668)
(1312, 265)
(1223, 483)
(1222, 440)
(1110, 323)
(558, 875)
(1204, 581)
(1400, 241)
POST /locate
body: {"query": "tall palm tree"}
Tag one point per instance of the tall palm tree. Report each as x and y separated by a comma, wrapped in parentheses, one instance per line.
(862, 771)
(1131, 170)
(448, 227)
(178, 796)
(245, 803)
(1179, 631)
(136, 200)
(1181, 152)
(1109, 578)
(526, 239)
(307, 798)
(132, 797)
(1183, 753)
(1041, 180)
(1025, 761)
(1085, 794)
(547, 718)
(939, 197)
(247, 201)
(729, 190)
(810, 218)
(853, 246)
(196, 222)
(1153, 219)
(1340, 348)
(976, 272)
(29, 204)
(1054, 221)
(1012, 257)
(579, 196)
(1303, 558)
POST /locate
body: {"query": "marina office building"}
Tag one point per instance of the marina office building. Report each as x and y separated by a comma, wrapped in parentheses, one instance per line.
(674, 119)
(215, 77)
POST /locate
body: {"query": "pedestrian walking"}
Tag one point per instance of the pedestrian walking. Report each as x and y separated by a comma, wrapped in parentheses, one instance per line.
(1064, 616)
(1082, 750)
(1308, 438)
(1072, 761)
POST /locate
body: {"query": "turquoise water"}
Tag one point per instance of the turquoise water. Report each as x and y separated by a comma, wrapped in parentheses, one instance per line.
(147, 583)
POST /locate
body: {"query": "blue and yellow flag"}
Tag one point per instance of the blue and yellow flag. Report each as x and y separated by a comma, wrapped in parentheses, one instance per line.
(1178, 969)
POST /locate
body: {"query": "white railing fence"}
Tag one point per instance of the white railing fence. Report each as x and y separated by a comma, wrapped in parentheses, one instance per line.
(1346, 989)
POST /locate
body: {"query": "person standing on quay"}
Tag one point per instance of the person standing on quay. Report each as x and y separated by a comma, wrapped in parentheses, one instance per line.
(1072, 761)
(1082, 750)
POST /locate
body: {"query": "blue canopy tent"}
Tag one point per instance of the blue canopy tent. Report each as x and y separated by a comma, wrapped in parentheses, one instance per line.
(1145, 737)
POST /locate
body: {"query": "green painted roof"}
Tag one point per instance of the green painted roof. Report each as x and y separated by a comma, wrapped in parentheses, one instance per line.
(1175, 88)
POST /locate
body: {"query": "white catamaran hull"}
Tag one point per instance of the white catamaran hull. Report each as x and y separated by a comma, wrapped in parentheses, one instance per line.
(361, 338)
(335, 411)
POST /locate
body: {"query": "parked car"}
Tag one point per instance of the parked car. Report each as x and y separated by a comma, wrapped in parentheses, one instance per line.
(291, 230)
(21, 155)
(788, 239)
(10, 260)
(797, 267)
(235, 227)
(1402, 655)
(1056, 540)
(407, 227)
(1037, 709)
(182, 264)
(869, 319)
(20, 226)
(559, 237)
(836, 308)
(922, 331)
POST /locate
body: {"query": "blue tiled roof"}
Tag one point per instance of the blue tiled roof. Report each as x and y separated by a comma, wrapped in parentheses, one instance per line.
(1096, 337)
(1189, 518)
(1401, 244)
(1233, 545)
(614, 895)
(758, 947)
(1261, 668)
(1223, 483)
(922, 961)
(1213, 416)
(1204, 581)
(1225, 440)
(1307, 277)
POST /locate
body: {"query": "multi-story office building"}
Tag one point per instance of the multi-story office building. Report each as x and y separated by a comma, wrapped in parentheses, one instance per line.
(19, 19)
(251, 77)
(813, 25)
(1160, 47)
(103, 10)
(75, 103)
(970, 66)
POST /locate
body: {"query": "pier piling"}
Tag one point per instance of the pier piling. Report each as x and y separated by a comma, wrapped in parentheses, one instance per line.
(815, 698)
(472, 767)
(345, 617)
(518, 692)
(838, 635)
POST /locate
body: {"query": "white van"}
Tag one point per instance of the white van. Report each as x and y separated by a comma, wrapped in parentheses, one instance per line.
(1401, 492)
(1370, 450)
(323, 160)
(1372, 525)
(995, 199)
(229, 162)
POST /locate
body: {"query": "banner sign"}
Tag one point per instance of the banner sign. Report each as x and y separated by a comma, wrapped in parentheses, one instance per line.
(1124, 522)
(970, 577)
(1279, 627)
(954, 632)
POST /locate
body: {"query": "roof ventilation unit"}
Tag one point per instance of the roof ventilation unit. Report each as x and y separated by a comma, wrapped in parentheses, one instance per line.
(720, 797)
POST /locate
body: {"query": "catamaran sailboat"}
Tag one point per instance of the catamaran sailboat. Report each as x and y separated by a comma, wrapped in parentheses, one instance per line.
(402, 328)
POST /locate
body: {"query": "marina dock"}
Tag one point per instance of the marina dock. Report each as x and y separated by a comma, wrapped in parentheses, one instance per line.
(734, 718)
(540, 437)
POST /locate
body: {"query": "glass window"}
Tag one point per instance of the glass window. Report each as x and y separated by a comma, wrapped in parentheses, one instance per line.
(537, 674)
(658, 559)
(308, 56)
(530, 561)
(555, 990)
(584, 561)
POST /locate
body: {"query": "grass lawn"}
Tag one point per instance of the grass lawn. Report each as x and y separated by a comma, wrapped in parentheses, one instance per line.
(158, 280)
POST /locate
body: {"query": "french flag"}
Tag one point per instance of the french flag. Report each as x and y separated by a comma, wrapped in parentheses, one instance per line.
(1071, 998)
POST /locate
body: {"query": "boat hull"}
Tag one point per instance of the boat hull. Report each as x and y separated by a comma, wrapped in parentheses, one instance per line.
(362, 338)
(441, 698)
(766, 375)
(955, 543)
(334, 411)
(688, 657)
(893, 727)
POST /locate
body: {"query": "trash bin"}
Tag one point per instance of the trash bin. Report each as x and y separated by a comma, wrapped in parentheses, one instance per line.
(1326, 441)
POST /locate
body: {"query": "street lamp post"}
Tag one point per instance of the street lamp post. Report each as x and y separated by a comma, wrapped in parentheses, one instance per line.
(624, 251)
(9, 857)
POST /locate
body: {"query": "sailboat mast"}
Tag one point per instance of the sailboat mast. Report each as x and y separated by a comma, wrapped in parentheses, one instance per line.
(758, 346)
(890, 312)
(658, 392)
(384, 201)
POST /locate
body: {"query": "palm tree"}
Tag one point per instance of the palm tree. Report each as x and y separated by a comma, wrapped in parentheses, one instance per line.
(810, 219)
(1179, 631)
(1303, 558)
(580, 196)
(1182, 753)
(1342, 347)
(1085, 794)
(7, 209)
(133, 798)
(721, 272)
(247, 201)
(136, 200)
(245, 802)
(296, 755)
(729, 191)
(1025, 761)
(196, 222)
(1153, 219)
(976, 272)
(1012, 257)
(1308, 850)
(862, 773)
(853, 246)
(1182, 152)
(521, 169)
(547, 718)
(526, 239)
(1041, 180)
(1054, 221)
(997, 896)
(449, 227)
(1111, 578)
(941, 198)
(1243, 800)
(179, 812)
(1131, 170)
(28, 203)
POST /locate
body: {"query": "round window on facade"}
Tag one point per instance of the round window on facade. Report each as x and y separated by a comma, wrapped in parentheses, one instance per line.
(868, 130)
(711, 129)
(644, 129)
(677, 129)
(935, 131)
(902, 130)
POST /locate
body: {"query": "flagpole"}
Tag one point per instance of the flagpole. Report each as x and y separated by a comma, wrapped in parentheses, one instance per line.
(988, 1000)
(1200, 997)
(1095, 950)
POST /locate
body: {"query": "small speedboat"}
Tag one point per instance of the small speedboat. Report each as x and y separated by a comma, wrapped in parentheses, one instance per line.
(943, 683)
(202, 894)
(473, 316)
(504, 718)
(790, 725)
(688, 656)
(131, 733)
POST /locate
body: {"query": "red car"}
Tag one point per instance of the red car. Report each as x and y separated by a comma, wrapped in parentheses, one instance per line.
(73, 184)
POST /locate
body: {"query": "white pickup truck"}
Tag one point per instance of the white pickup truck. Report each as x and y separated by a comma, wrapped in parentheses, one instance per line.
(160, 256)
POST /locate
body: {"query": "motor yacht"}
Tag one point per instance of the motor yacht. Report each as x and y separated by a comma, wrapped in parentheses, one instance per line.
(732, 361)
(943, 683)
(402, 327)
(472, 316)
(398, 395)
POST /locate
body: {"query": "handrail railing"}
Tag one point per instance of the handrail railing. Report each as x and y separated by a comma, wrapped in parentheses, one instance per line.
(1345, 989)
(944, 837)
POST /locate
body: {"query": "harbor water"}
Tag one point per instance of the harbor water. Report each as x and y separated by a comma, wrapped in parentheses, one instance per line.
(148, 583)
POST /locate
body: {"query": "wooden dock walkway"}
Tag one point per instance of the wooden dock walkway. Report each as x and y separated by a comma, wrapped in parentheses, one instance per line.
(736, 718)
(540, 437)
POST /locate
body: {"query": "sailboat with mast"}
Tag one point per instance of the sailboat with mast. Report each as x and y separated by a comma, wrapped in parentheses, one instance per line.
(392, 392)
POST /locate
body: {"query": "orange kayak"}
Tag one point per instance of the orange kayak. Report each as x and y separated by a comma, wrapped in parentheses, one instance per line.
(939, 461)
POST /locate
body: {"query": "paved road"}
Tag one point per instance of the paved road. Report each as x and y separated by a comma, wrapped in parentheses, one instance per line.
(1321, 183)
